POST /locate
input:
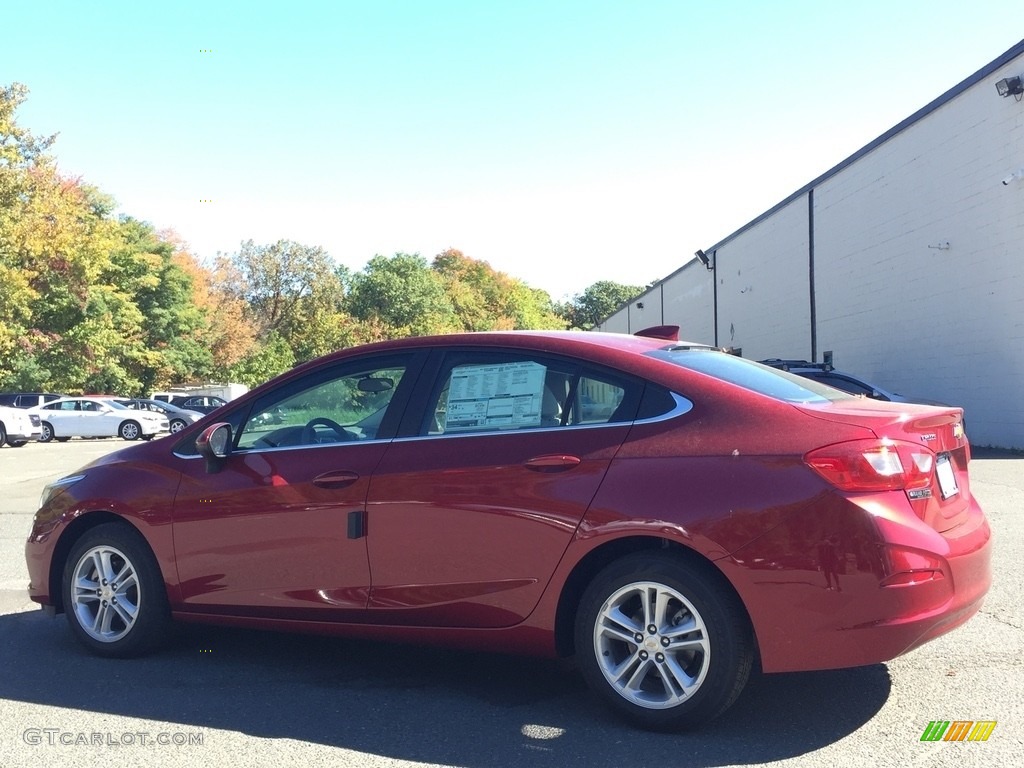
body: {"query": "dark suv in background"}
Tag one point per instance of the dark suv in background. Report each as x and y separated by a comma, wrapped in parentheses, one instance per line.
(826, 374)
(200, 403)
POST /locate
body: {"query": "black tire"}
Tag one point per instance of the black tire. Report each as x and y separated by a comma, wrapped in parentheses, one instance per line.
(16, 443)
(47, 433)
(62, 439)
(140, 623)
(3, 435)
(129, 430)
(146, 437)
(714, 656)
(177, 425)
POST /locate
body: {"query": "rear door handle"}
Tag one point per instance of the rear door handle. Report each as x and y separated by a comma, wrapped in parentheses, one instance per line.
(338, 479)
(552, 462)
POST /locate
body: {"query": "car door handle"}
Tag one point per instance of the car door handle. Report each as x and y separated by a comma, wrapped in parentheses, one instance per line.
(552, 462)
(338, 479)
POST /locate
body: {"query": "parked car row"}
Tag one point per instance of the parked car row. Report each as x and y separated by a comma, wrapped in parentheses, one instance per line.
(46, 417)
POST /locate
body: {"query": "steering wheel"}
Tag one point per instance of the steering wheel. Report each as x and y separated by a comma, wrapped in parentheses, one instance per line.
(309, 431)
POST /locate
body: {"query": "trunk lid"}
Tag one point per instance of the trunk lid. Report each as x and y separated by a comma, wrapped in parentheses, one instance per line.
(945, 502)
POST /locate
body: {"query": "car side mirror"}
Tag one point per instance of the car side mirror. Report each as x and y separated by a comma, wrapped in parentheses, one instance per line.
(214, 445)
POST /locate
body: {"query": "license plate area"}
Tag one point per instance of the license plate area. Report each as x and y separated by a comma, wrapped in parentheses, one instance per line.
(947, 480)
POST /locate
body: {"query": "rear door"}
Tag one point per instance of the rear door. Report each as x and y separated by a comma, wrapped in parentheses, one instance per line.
(469, 513)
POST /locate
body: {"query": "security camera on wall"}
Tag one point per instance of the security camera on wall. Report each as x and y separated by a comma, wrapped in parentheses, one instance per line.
(1015, 176)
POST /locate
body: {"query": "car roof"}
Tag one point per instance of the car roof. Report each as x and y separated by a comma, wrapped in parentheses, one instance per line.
(610, 348)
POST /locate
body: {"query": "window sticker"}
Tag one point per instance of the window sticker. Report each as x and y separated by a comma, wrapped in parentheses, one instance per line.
(503, 396)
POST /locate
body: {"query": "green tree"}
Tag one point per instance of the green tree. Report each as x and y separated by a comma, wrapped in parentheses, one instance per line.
(597, 302)
(402, 296)
(293, 290)
(272, 357)
(172, 327)
(484, 299)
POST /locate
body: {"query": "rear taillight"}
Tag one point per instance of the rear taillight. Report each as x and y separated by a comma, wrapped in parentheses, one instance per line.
(875, 465)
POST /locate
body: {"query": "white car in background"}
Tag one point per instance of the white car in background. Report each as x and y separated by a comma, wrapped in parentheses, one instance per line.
(96, 417)
(18, 426)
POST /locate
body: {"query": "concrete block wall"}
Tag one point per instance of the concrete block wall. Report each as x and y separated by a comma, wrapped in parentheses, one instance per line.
(764, 288)
(918, 254)
(690, 303)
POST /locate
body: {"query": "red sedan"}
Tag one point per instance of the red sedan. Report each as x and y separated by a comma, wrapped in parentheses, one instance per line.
(668, 513)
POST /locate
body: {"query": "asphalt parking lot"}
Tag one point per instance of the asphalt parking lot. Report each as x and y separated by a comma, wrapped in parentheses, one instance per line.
(242, 698)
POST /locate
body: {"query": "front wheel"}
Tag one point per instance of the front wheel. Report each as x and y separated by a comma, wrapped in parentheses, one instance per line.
(47, 432)
(113, 592)
(663, 642)
(177, 425)
(130, 430)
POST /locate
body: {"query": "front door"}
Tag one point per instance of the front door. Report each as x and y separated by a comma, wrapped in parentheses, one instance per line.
(279, 531)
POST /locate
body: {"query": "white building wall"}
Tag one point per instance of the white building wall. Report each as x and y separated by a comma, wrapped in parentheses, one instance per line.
(764, 294)
(900, 307)
(918, 253)
(690, 303)
(685, 298)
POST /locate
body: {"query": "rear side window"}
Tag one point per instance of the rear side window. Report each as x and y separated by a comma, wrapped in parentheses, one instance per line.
(756, 377)
(493, 391)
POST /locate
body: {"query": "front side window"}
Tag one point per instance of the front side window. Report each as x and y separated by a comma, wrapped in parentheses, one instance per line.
(323, 409)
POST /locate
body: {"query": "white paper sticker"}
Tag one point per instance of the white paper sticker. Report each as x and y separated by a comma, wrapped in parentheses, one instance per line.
(947, 480)
(503, 396)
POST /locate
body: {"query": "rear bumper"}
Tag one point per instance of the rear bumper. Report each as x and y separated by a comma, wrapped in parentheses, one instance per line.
(838, 614)
(18, 435)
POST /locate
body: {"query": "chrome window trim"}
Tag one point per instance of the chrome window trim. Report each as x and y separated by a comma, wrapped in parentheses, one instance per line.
(682, 406)
(276, 448)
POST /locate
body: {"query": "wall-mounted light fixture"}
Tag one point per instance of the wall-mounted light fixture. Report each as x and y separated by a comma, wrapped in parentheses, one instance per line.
(639, 305)
(1010, 86)
(703, 259)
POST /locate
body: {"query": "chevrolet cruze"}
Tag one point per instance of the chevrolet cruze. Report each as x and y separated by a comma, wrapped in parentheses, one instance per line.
(670, 514)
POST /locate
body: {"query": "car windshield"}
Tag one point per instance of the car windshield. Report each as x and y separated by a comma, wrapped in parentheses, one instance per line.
(762, 379)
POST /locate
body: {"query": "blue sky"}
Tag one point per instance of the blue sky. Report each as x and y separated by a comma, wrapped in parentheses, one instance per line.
(563, 142)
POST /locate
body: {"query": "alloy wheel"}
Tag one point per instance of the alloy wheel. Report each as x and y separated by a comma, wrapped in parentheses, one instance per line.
(651, 645)
(105, 593)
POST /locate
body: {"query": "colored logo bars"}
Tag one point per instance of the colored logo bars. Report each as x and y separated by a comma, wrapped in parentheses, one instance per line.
(958, 730)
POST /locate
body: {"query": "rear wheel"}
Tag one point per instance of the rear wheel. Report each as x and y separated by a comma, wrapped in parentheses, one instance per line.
(16, 443)
(114, 595)
(130, 430)
(663, 642)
